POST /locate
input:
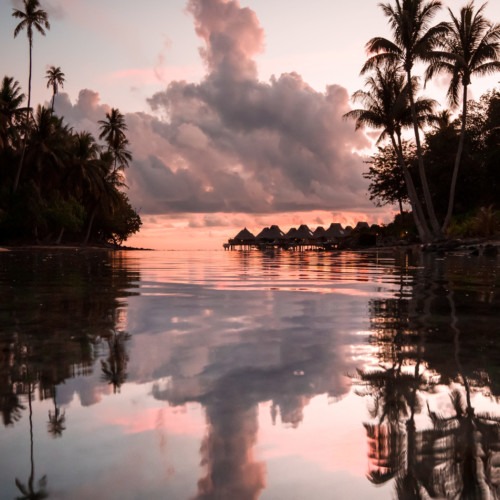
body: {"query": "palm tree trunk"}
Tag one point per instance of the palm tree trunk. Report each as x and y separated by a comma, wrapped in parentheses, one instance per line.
(416, 208)
(28, 110)
(91, 223)
(436, 230)
(456, 166)
(29, 80)
(59, 238)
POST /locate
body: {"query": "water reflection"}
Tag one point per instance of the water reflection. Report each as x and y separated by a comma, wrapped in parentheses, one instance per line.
(28, 490)
(57, 309)
(434, 351)
(171, 371)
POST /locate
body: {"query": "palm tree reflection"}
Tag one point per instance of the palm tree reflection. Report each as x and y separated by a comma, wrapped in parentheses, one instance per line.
(446, 448)
(114, 369)
(28, 490)
(57, 419)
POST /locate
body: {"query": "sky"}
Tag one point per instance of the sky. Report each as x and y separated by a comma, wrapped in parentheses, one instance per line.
(234, 108)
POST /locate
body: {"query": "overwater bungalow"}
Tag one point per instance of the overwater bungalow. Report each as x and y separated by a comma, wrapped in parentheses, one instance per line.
(319, 234)
(244, 239)
(335, 231)
(270, 236)
(361, 226)
(304, 238)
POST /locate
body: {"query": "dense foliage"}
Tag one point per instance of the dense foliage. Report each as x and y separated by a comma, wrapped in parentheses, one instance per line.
(454, 171)
(478, 185)
(57, 184)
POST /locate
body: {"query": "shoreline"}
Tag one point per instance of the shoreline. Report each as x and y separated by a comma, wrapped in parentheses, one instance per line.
(106, 248)
(470, 246)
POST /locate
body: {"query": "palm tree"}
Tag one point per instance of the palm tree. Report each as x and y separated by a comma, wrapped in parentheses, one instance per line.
(32, 17)
(386, 107)
(471, 47)
(47, 151)
(55, 77)
(84, 171)
(113, 132)
(105, 194)
(10, 110)
(413, 40)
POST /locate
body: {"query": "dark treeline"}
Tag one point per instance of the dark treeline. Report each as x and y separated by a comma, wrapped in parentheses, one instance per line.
(448, 172)
(56, 184)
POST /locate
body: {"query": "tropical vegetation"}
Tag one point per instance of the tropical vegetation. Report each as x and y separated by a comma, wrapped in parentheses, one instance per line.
(449, 173)
(58, 185)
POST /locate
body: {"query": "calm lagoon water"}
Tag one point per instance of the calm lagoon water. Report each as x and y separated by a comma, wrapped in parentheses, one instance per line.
(213, 375)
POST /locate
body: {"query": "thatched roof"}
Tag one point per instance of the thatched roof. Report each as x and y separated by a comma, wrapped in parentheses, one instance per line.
(303, 233)
(319, 232)
(244, 235)
(271, 233)
(362, 225)
(335, 231)
(291, 233)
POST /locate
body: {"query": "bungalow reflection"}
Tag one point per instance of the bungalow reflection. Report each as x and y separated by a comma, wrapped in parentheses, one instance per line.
(430, 430)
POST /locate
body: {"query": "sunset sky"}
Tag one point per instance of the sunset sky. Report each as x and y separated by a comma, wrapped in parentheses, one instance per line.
(234, 109)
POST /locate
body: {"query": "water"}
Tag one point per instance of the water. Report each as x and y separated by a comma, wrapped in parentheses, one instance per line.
(233, 375)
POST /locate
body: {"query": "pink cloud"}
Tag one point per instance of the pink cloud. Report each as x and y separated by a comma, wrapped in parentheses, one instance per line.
(232, 144)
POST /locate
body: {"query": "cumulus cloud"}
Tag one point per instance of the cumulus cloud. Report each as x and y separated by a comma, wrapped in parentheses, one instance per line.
(233, 143)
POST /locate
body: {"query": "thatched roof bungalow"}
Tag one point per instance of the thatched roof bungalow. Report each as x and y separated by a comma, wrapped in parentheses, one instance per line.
(303, 238)
(244, 236)
(304, 233)
(270, 234)
(335, 231)
(362, 226)
(319, 233)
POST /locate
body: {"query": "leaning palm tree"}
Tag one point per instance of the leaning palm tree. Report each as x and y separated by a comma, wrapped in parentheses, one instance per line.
(55, 77)
(471, 48)
(386, 106)
(32, 18)
(413, 39)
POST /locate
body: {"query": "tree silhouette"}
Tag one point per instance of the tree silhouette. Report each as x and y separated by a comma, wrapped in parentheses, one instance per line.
(386, 106)
(113, 132)
(55, 78)
(413, 39)
(11, 98)
(471, 47)
(32, 18)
